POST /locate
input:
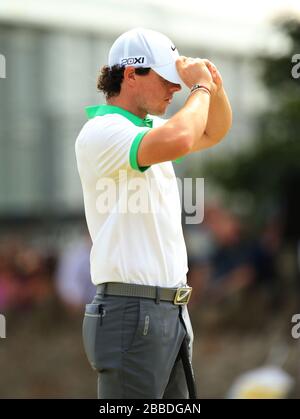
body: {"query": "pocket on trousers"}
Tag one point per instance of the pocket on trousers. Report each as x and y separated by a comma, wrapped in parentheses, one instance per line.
(93, 318)
(131, 323)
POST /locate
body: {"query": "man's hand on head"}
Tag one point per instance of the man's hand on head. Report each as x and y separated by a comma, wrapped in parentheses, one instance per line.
(194, 71)
(216, 76)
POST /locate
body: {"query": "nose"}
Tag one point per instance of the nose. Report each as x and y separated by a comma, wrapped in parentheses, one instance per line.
(175, 87)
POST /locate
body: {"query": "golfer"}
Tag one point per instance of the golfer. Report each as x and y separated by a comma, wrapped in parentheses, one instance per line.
(136, 332)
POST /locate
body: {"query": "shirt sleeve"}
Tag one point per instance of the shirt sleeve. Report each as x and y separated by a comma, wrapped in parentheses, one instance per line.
(111, 143)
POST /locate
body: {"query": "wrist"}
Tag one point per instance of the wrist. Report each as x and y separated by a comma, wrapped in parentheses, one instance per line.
(201, 87)
(207, 84)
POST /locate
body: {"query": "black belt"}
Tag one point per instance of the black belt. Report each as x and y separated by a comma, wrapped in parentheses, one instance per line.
(178, 296)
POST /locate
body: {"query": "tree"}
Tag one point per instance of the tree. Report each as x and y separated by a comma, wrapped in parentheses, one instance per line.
(270, 172)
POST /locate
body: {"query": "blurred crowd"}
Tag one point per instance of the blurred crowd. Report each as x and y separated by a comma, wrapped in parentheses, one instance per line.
(31, 275)
(25, 274)
(226, 259)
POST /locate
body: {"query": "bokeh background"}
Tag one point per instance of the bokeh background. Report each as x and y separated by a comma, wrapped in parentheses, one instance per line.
(244, 258)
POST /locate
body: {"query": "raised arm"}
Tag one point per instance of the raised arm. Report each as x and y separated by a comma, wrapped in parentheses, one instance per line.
(183, 132)
(219, 115)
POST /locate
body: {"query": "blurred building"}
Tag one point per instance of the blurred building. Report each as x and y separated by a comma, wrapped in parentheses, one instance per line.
(53, 52)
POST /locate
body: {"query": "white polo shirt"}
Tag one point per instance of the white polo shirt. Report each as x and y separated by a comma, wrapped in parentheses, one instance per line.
(133, 213)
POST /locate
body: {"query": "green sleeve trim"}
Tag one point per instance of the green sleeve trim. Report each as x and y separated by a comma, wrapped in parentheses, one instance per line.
(179, 160)
(133, 152)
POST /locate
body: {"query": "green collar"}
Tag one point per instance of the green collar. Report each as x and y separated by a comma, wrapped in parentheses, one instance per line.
(101, 110)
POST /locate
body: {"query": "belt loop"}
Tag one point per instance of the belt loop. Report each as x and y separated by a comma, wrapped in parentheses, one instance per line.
(103, 288)
(157, 295)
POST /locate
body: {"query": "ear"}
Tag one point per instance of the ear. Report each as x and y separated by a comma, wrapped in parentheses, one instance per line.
(129, 75)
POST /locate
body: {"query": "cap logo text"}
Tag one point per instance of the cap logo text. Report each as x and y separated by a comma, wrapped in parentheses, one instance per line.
(133, 60)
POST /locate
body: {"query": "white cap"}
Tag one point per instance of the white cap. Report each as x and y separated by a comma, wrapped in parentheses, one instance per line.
(141, 47)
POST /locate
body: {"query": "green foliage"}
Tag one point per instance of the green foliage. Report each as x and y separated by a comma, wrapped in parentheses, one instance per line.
(275, 156)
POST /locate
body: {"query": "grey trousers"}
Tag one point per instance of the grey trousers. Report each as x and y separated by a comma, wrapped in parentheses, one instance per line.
(133, 344)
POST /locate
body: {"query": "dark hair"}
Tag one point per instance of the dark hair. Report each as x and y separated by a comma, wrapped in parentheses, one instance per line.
(110, 79)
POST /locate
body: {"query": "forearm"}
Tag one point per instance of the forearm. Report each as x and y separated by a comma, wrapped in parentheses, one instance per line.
(219, 121)
(219, 117)
(192, 119)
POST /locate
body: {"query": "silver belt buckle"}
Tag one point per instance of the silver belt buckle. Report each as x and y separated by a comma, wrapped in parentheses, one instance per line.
(182, 295)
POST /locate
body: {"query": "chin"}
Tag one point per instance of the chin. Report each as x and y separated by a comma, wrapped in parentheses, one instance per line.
(158, 112)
